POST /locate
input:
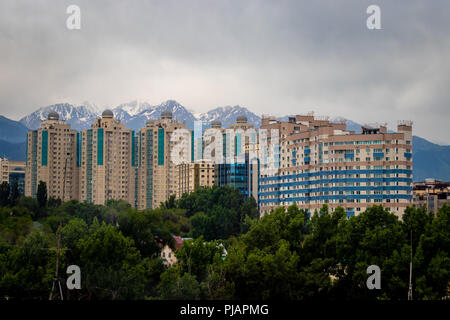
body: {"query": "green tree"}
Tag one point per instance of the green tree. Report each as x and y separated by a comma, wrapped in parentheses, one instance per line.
(173, 286)
(54, 202)
(261, 274)
(280, 224)
(170, 203)
(29, 269)
(147, 230)
(15, 194)
(42, 194)
(195, 256)
(15, 224)
(4, 193)
(432, 260)
(112, 265)
(374, 237)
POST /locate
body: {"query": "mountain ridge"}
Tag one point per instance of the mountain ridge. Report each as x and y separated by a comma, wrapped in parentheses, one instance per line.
(431, 160)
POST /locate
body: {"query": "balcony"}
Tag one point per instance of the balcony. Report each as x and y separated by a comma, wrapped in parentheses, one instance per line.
(378, 154)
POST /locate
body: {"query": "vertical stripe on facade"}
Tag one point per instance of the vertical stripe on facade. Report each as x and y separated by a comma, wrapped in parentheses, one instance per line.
(100, 147)
(44, 148)
(149, 168)
(78, 149)
(192, 146)
(89, 165)
(160, 147)
(34, 135)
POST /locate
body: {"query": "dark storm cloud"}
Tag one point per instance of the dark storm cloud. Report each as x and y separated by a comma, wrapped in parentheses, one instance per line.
(279, 57)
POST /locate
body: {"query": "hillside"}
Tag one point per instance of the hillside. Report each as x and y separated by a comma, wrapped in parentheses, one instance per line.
(13, 151)
(430, 160)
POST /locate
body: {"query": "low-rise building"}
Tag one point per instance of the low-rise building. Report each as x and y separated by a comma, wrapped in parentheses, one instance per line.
(431, 193)
(13, 172)
(168, 255)
(191, 176)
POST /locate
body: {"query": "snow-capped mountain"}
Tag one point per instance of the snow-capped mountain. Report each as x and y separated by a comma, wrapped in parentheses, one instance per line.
(79, 117)
(227, 115)
(127, 111)
(136, 114)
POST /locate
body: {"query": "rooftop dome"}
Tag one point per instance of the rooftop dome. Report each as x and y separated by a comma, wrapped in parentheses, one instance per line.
(241, 118)
(216, 124)
(167, 114)
(107, 114)
(53, 116)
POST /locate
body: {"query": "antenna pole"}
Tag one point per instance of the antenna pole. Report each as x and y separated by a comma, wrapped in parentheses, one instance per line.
(58, 250)
(410, 293)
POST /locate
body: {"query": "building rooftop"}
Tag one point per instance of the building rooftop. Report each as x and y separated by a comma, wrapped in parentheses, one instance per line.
(241, 118)
(53, 116)
(107, 114)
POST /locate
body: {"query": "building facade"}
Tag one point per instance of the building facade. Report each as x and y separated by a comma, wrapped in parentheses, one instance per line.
(52, 157)
(194, 175)
(431, 193)
(13, 172)
(240, 168)
(321, 163)
(157, 174)
(107, 168)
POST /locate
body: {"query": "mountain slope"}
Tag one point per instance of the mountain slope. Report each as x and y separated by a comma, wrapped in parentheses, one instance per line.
(227, 115)
(430, 160)
(12, 131)
(13, 151)
(79, 117)
(179, 112)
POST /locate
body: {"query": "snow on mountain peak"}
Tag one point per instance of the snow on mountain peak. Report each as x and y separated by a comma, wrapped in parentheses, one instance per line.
(135, 114)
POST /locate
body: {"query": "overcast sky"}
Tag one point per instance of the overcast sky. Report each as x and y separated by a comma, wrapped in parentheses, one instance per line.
(273, 57)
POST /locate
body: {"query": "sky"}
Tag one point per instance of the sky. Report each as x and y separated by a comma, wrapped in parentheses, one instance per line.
(273, 57)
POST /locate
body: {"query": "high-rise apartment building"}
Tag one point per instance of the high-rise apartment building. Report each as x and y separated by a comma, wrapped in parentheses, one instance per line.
(320, 162)
(157, 173)
(240, 168)
(191, 176)
(13, 172)
(323, 163)
(107, 161)
(52, 156)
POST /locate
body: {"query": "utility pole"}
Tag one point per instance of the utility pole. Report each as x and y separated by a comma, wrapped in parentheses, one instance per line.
(56, 281)
(410, 293)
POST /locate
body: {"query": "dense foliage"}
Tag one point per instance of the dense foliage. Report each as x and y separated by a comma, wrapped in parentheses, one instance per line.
(231, 254)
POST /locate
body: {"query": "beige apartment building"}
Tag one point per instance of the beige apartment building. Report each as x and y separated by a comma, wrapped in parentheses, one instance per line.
(157, 173)
(13, 172)
(431, 193)
(191, 176)
(107, 169)
(321, 162)
(4, 170)
(52, 158)
(105, 162)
